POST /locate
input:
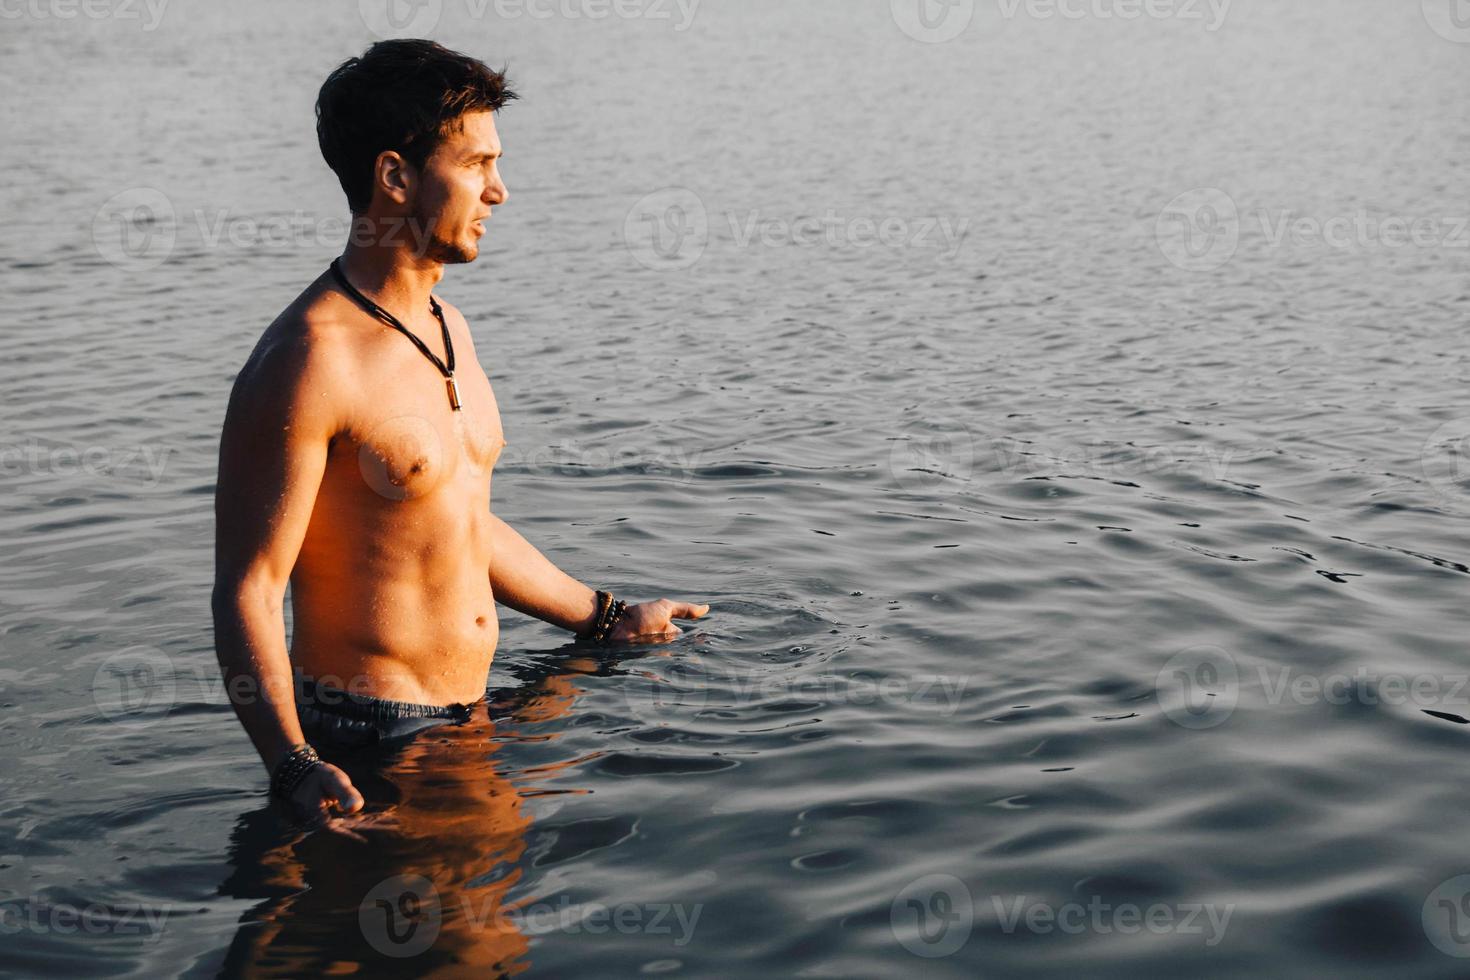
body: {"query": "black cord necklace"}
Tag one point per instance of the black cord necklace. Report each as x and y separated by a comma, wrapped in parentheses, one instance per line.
(445, 369)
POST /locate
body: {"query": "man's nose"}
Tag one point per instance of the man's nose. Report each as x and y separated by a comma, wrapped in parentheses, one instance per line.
(496, 192)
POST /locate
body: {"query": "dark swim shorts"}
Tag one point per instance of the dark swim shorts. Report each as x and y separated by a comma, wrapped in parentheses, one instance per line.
(332, 717)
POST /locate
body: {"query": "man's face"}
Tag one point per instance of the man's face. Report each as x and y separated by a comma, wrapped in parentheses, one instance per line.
(457, 188)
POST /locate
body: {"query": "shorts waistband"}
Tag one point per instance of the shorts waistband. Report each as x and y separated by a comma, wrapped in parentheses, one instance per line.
(360, 707)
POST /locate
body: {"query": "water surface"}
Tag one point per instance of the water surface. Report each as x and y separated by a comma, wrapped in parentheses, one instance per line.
(1091, 548)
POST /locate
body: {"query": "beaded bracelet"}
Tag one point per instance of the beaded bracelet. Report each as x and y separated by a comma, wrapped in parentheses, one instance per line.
(610, 612)
(292, 771)
(616, 612)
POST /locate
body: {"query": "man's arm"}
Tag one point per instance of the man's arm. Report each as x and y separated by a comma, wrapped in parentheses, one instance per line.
(273, 453)
(525, 580)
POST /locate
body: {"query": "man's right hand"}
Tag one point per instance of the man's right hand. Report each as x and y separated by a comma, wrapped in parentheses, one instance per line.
(325, 789)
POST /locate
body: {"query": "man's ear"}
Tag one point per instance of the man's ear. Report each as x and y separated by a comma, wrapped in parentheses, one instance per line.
(394, 176)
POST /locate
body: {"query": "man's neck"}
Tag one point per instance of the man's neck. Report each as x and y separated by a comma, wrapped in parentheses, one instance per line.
(392, 276)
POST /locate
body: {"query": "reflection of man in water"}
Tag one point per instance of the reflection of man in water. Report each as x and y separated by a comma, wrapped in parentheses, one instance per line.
(358, 446)
(419, 884)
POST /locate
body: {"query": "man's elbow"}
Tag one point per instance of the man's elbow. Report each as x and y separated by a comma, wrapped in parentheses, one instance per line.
(237, 597)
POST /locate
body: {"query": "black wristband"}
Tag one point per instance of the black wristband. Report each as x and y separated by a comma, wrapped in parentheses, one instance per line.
(615, 616)
(610, 612)
(292, 770)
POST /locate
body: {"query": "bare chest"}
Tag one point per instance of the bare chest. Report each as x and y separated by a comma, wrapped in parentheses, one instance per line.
(405, 441)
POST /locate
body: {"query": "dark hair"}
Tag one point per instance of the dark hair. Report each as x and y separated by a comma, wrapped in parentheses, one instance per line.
(400, 95)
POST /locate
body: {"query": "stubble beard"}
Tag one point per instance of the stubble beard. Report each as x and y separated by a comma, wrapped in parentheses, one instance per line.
(450, 253)
(441, 249)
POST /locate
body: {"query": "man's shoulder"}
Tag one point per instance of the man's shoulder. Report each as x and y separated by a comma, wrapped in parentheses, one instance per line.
(459, 326)
(448, 306)
(306, 354)
(311, 337)
(451, 312)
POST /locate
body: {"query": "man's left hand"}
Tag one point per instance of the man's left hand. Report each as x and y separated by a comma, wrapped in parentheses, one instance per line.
(654, 621)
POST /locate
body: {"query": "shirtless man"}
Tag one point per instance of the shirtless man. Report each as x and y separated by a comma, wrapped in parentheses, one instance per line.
(352, 465)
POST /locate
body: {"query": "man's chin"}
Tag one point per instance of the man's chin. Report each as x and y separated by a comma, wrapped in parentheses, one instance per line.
(453, 253)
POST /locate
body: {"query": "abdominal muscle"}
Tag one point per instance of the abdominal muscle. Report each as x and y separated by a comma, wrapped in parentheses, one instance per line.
(392, 598)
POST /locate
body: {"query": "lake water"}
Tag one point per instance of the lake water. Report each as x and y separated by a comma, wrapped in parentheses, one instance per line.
(1064, 416)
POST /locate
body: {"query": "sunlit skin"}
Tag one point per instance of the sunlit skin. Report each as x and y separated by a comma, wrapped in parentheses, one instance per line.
(344, 471)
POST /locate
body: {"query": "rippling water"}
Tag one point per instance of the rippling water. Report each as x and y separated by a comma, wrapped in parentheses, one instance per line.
(1062, 420)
